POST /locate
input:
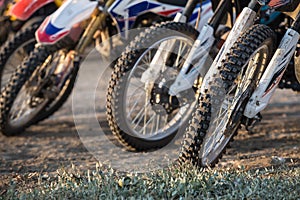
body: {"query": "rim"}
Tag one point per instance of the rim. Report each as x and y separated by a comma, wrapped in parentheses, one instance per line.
(22, 113)
(141, 117)
(26, 107)
(15, 60)
(227, 118)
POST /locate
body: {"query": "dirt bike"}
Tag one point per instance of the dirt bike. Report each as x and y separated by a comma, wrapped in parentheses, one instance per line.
(43, 82)
(242, 79)
(152, 112)
(28, 15)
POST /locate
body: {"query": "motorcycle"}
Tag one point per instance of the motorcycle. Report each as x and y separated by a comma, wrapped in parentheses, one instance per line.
(25, 17)
(145, 78)
(43, 82)
(243, 78)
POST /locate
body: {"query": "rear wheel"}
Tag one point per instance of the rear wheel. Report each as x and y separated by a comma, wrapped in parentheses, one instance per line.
(220, 113)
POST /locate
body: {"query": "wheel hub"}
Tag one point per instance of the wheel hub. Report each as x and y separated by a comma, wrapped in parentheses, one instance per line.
(161, 100)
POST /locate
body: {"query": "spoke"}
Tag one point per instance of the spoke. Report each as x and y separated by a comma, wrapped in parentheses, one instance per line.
(138, 116)
(166, 120)
(144, 67)
(137, 86)
(223, 110)
(133, 94)
(149, 57)
(20, 109)
(144, 62)
(180, 51)
(145, 125)
(135, 103)
(147, 89)
(152, 127)
(157, 123)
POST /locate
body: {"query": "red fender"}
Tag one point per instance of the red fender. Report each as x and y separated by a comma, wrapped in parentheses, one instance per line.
(1, 3)
(278, 3)
(23, 9)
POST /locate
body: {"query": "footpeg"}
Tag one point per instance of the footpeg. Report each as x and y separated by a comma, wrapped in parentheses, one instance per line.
(251, 123)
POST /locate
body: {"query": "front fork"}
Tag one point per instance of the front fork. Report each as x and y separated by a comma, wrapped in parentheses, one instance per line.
(196, 63)
(97, 20)
(151, 74)
(274, 71)
(197, 57)
(76, 55)
(244, 21)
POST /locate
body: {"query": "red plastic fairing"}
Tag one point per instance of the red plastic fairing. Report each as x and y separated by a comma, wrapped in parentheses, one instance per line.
(278, 3)
(23, 9)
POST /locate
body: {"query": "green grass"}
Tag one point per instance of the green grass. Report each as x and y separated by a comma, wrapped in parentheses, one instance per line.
(171, 183)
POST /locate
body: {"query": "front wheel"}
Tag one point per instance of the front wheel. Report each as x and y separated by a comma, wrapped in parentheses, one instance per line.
(220, 112)
(35, 91)
(15, 50)
(143, 115)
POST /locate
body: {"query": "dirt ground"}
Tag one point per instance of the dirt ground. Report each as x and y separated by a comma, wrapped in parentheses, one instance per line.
(275, 140)
(55, 143)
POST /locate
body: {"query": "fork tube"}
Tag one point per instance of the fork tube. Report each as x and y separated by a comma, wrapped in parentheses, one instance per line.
(220, 11)
(189, 8)
(89, 31)
(97, 19)
(108, 4)
(254, 5)
(223, 7)
(296, 23)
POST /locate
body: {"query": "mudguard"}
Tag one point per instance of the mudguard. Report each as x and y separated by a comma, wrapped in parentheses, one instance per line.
(59, 24)
(24, 9)
(2, 3)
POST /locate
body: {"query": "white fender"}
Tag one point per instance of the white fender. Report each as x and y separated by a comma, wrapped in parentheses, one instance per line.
(72, 12)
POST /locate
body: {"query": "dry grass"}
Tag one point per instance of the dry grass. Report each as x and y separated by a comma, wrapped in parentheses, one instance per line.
(171, 183)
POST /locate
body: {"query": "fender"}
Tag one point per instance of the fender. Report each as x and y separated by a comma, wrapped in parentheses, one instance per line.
(24, 9)
(1, 3)
(59, 24)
